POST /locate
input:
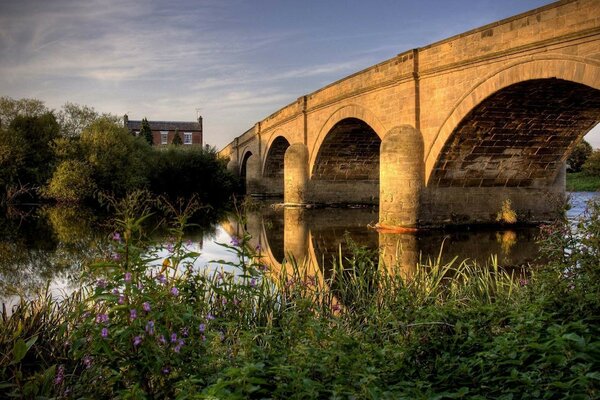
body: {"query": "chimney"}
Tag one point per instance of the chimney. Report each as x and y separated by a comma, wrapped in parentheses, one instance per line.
(200, 122)
(125, 120)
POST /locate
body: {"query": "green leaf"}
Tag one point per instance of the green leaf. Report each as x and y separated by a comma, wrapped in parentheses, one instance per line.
(6, 385)
(31, 341)
(574, 338)
(19, 351)
(593, 375)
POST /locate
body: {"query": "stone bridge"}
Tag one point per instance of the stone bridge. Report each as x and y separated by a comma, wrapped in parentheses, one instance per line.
(442, 134)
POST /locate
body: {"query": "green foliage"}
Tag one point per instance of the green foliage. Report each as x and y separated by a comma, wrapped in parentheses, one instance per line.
(177, 141)
(182, 171)
(146, 131)
(592, 164)
(71, 182)
(583, 182)
(11, 108)
(578, 157)
(153, 327)
(118, 160)
(13, 153)
(74, 118)
(32, 341)
(26, 156)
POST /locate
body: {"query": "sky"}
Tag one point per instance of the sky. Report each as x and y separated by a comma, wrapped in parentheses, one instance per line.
(233, 61)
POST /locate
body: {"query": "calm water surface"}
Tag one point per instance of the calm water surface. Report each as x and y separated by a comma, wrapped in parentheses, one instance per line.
(42, 246)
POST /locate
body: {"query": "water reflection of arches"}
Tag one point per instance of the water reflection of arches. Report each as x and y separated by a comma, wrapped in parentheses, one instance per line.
(313, 238)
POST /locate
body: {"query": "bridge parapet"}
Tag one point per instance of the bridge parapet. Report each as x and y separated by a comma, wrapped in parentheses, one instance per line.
(538, 27)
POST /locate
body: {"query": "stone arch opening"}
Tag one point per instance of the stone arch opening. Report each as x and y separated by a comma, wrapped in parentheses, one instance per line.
(519, 136)
(244, 171)
(273, 167)
(346, 168)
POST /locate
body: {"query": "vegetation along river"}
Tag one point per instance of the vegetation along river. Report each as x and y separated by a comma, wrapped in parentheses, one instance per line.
(42, 246)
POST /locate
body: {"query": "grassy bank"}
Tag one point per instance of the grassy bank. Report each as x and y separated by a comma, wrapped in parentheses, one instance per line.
(444, 331)
(582, 182)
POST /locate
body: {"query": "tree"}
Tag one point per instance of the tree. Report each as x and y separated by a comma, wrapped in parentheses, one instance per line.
(73, 118)
(119, 161)
(11, 108)
(177, 138)
(183, 171)
(578, 157)
(146, 131)
(38, 133)
(592, 164)
(12, 159)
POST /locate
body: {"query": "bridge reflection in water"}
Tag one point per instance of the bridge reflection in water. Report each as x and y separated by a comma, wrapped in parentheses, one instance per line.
(317, 237)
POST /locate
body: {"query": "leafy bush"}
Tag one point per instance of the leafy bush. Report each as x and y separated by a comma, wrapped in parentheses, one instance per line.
(119, 161)
(71, 182)
(579, 156)
(592, 165)
(184, 171)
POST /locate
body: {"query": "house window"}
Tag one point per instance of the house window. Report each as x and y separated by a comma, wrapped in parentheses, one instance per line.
(187, 138)
(164, 135)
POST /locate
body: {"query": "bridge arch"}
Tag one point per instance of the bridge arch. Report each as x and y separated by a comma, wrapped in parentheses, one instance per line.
(346, 166)
(564, 79)
(346, 112)
(272, 169)
(246, 154)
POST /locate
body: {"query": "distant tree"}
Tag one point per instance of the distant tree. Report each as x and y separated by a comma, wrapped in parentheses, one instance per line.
(579, 156)
(38, 134)
(177, 138)
(73, 118)
(13, 152)
(592, 164)
(11, 108)
(146, 131)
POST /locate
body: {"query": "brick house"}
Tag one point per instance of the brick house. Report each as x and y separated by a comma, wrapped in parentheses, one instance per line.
(163, 132)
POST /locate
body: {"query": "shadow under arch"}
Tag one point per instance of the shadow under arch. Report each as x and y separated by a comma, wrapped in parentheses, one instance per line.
(576, 70)
(244, 169)
(345, 112)
(346, 166)
(272, 170)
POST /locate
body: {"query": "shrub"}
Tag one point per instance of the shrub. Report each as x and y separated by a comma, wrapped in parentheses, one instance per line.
(182, 171)
(177, 139)
(119, 160)
(71, 182)
(578, 157)
(592, 165)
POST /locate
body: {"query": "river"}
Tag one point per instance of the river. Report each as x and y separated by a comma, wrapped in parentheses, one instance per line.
(42, 246)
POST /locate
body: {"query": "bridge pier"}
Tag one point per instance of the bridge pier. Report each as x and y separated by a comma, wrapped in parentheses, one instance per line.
(483, 205)
(401, 178)
(295, 166)
(253, 176)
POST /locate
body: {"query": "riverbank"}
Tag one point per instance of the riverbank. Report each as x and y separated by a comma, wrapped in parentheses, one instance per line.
(582, 182)
(360, 331)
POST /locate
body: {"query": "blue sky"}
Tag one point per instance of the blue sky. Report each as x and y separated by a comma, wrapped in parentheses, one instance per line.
(237, 61)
